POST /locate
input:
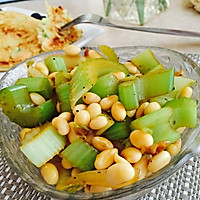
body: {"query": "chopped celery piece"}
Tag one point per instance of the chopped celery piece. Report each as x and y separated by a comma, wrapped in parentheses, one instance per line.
(45, 111)
(184, 112)
(44, 146)
(12, 96)
(63, 94)
(157, 69)
(162, 99)
(87, 73)
(40, 85)
(55, 63)
(119, 130)
(157, 123)
(144, 87)
(107, 126)
(145, 61)
(151, 85)
(17, 105)
(109, 52)
(94, 177)
(128, 78)
(106, 85)
(62, 77)
(164, 132)
(181, 82)
(151, 120)
(128, 94)
(163, 123)
(80, 154)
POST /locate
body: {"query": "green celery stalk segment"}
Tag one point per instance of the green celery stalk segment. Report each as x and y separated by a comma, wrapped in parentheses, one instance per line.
(106, 85)
(87, 73)
(18, 106)
(81, 154)
(184, 112)
(145, 61)
(40, 85)
(63, 94)
(128, 94)
(119, 130)
(163, 99)
(55, 63)
(93, 177)
(144, 87)
(44, 146)
(157, 123)
(162, 124)
(62, 77)
(181, 82)
(158, 68)
(109, 52)
(148, 84)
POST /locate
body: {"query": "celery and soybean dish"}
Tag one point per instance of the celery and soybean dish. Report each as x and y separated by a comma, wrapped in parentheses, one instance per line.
(92, 123)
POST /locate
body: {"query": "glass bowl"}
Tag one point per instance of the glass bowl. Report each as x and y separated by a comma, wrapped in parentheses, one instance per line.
(10, 141)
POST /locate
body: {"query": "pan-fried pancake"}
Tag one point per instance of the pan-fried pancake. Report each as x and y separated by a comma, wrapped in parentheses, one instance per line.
(18, 38)
(22, 37)
(48, 31)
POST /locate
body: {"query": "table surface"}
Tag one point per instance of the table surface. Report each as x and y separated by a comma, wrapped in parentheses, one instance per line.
(177, 17)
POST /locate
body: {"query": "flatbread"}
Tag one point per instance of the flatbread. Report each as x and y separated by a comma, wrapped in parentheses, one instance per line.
(22, 36)
(48, 31)
(18, 38)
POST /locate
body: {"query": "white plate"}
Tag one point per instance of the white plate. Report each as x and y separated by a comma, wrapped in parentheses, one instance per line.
(90, 32)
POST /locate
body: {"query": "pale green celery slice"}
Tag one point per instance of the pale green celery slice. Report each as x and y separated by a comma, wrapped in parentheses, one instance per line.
(44, 146)
(157, 69)
(157, 123)
(87, 73)
(145, 61)
(129, 88)
(151, 120)
(182, 82)
(162, 99)
(109, 52)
